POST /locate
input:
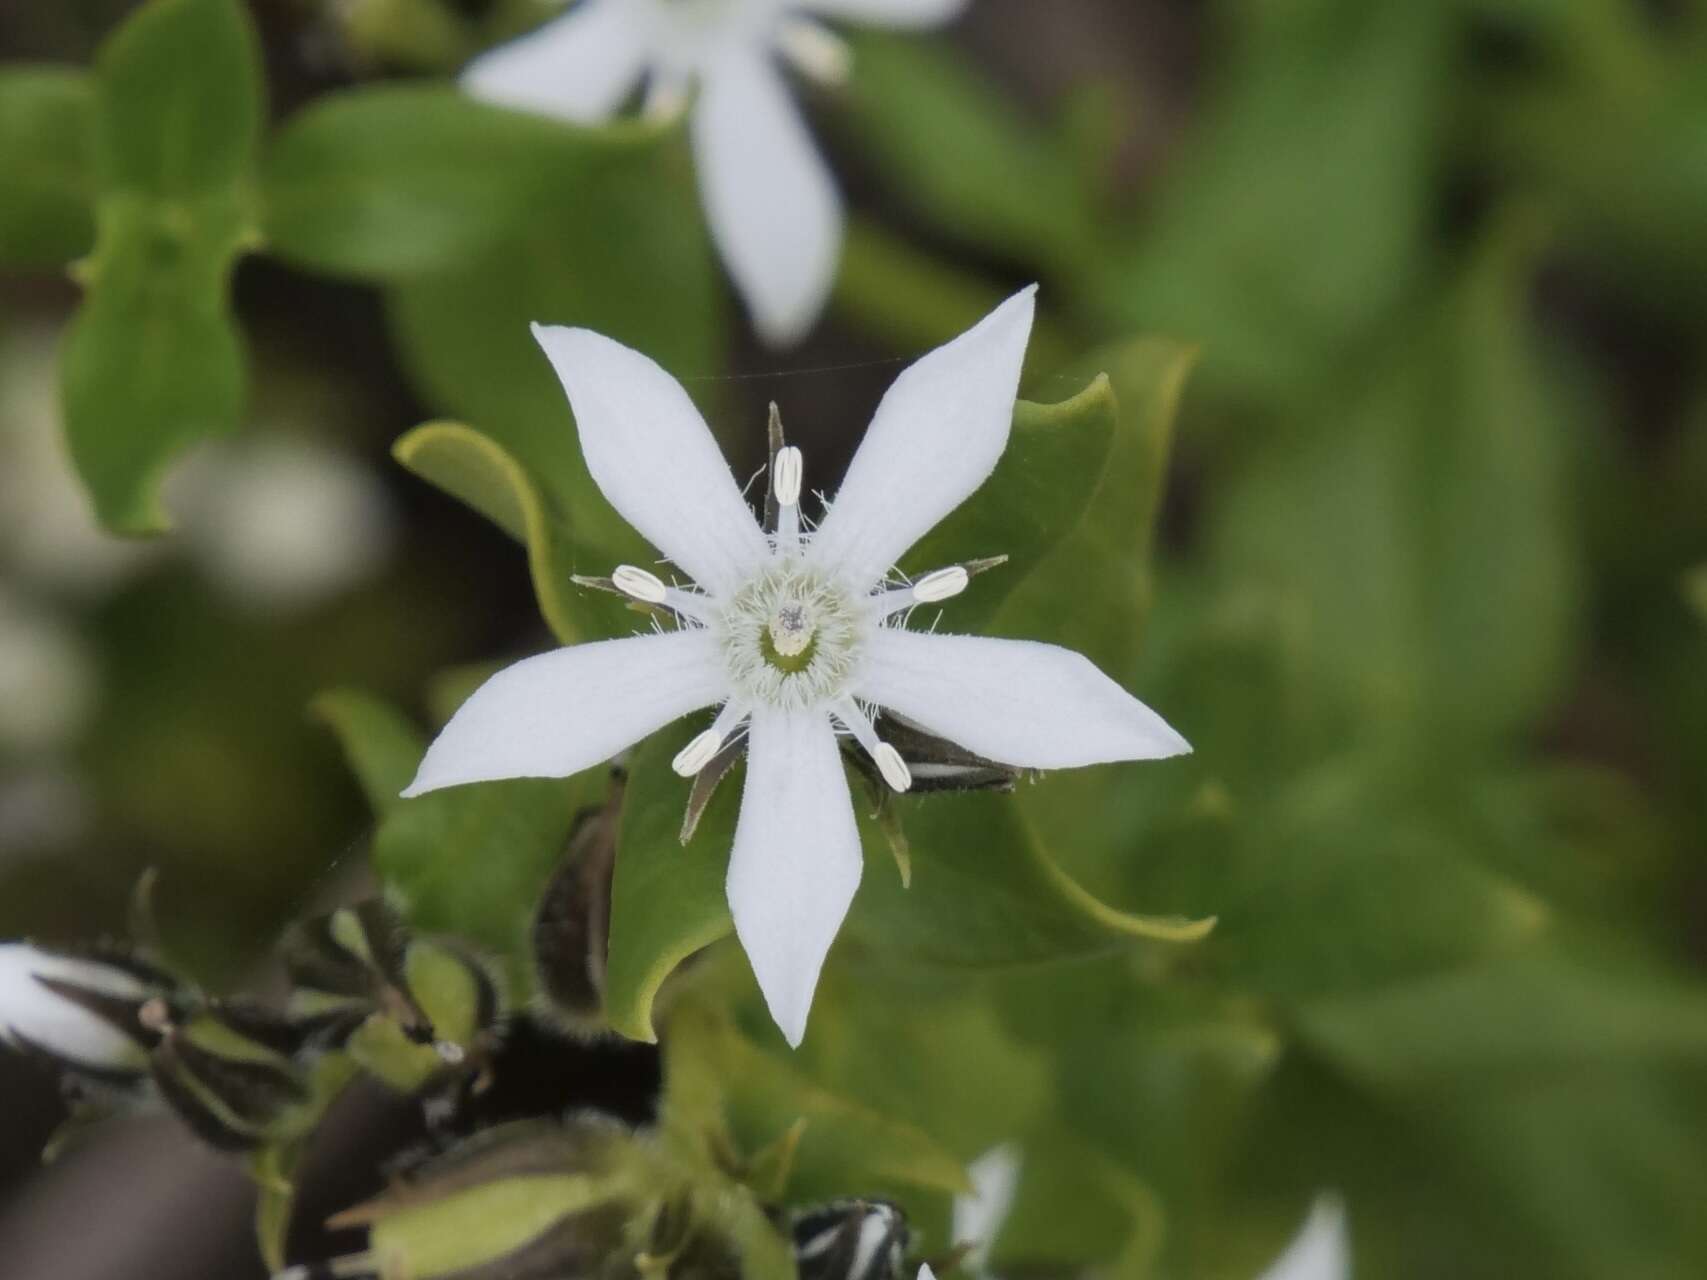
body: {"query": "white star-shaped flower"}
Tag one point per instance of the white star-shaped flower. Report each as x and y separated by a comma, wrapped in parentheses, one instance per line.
(796, 635)
(772, 204)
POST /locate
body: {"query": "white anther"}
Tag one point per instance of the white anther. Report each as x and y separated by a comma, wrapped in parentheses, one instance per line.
(817, 53)
(640, 584)
(790, 466)
(894, 769)
(698, 753)
(940, 584)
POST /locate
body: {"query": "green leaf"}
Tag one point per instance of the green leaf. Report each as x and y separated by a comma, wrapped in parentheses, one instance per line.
(1036, 496)
(479, 471)
(667, 899)
(986, 893)
(47, 185)
(383, 746)
(180, 100)
(1421, 531)
(626, 256)
(393, 181)
(762, 1095)
(153, 362)
(1012, 187)
(470, 860)
(1535, 1012)
(1296, 220)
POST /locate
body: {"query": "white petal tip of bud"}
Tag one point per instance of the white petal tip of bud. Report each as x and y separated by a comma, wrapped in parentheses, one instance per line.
(698, 753)
(790, 467)
(816, 52)
(638, 583)
(894, 769)
(940, 584)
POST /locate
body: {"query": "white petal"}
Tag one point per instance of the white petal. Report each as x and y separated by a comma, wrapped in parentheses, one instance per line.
(564, 711)
(1034, 705)
(936, 438)
(769, 197)
(796, 861)
(887, 13)
(654, 458)
(978, 1218)
(30, 1012)
(578, 67)
(1320, 1251)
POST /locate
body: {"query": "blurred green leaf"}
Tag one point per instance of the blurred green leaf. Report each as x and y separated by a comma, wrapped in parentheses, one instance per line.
(1421, 529)
(393, 181)
(761, 1095)
(1295, 221)
(1695, 590)
(626, 256)
(906, 1044)
(667, 898)
(1038, 495)
(477, 470)
(153, 362)
(1535, 1013)
(1011, 187)
(180, 100)
(986, 892)
(47, 183)
(1076, 1208)
(470, 860)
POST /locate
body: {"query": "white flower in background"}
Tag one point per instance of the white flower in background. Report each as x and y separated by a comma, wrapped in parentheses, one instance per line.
(1320, 1251)
(978, 1217)
(279, 523)
(35, 1016)
(769, 197)
(795, 636)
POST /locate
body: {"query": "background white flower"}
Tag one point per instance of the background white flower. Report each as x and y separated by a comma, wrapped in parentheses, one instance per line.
(1320, 1251)
(978, 1218)
(33, 1015)
(795, 634)
(769, 197)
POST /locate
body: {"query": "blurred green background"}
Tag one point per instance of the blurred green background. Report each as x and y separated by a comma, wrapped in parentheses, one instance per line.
(1429, 594)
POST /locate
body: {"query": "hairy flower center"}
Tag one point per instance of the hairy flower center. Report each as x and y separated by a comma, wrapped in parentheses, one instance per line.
(792, 638)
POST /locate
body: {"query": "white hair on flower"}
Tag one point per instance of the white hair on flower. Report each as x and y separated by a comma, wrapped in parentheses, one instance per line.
(793, 636)
(771, 202)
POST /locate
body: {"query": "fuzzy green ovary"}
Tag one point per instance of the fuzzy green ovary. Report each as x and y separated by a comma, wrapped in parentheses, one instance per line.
(790, 663)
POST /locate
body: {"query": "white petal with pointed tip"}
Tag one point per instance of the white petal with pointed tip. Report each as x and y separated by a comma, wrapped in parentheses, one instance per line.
(770, 199)
(1320, 1251)
(1033, 705)
(887, 13)
(796, 861)
(936, 437)
(979, 1217)
(564, 711)
(578, 67)
(30, 1012)
(654, 458)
